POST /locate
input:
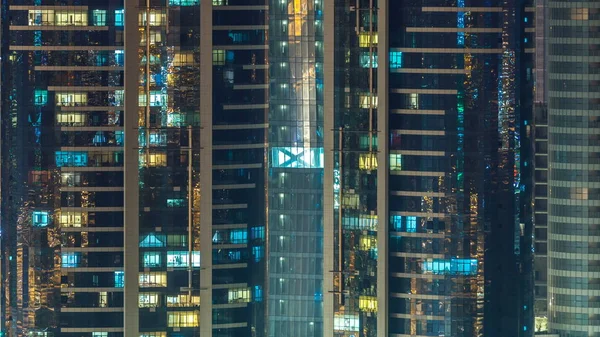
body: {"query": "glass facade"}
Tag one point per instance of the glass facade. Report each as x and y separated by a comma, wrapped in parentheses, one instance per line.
(62, 168)
(573, 162)
(296, 159)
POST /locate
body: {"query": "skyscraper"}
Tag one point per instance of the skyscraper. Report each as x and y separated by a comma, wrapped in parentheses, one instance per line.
(574, 171)
(432, 223)
(266, 168)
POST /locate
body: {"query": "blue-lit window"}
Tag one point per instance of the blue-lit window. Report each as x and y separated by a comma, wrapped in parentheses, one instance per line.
(71, 260)
(395, 59)
(119, 137)
(411, 224)
(396, 222)
(101, 59)
(183, 2)
(119, 58)
(151, 259)
(119, 279)
(175, 203)
(119, 17)
(40, 218)
(41, 97)
(257, 233)
(99, 138)
(258, 294)
(230, 56)
(366, 61)
(297, 157)
(238, 236)
(258, 252)
(99, 17)
(177, 259)
(451, 267)
(68, 158)
(152, 241)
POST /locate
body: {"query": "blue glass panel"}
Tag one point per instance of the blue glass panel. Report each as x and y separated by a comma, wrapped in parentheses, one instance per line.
(258, 294)
(119, 17)
(153, 240)
(396, 222)
(411, 224)
(70, 260)
(366, 61)
(41, 97)
(238, 236)
(40, 218)
(120, 58)
(258, 252)
(395, 59)
(451, 267)
(71, 158)
(257, 233)
(183, 2)
(119, 279)
(297, 157)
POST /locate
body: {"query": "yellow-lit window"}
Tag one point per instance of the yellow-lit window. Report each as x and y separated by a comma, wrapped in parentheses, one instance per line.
(413, 101)
(183, 59)
(580, 13)
(219, 2)
(368, 242)
(148, 300)
(153, 279)
(70, 118)
(156, 18)
(367, 161)
(395, 162)
(366, 101)
(41, 17)
(71, 18)
(367, 303)
(103, 299)
(182, 319)
(218, 57)
(155, 37)
(154, 334)
(153, 159)
(182, 301)
(239, 295)
(70, 219)
(71, 99)
(351, 201)
(365, 40)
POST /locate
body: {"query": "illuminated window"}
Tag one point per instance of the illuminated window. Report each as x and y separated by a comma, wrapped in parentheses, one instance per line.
(176, 259)
(219, 2)
(71, 99)
(218, 56)
(364, 142)
(157, 98)
(580, 13)
(239, 295)
(238, 236)
(71, 18)
(368, 242)
(183, 59)
(175, 119)
(148, 300)
(395, 59)
(70, 118)
(258, 294)
(177, 240)
(156, 18)
(346, 322)
(182, 300)
(297, 157)
(154, 334)
(103, 299)
(368, 60)
(411, 224)
(153, 159)
(450, 267)
(71, 219)
(71, 158)
(119, 17)
(366, 101)
(70, 260)
(175, 203)
(395, 162)
(413, 101)
(365, 39)
(362, 222)
(99, 334)
(155, 37)
(153, 279)
(99, 17)
(40, 219)
(257, 233)
(151, 259)
(367, 161)
(182, 319)
(41, 17)
(152, 240)
(40, 97)
(183, 2)
(367, 303)
(351, 201)
(119, 277)
(258, 252)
